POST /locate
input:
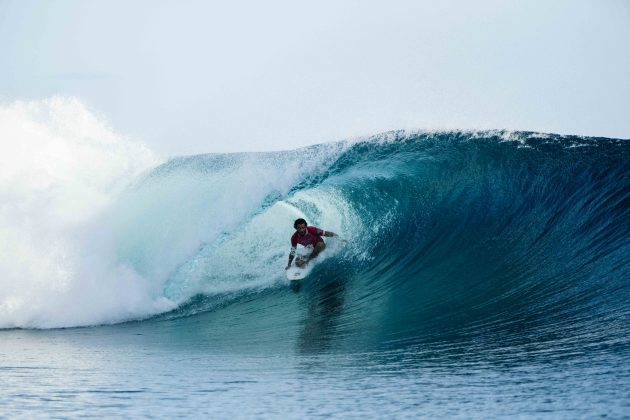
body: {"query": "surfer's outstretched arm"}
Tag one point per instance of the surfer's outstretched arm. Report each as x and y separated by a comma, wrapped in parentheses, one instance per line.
(334, 235)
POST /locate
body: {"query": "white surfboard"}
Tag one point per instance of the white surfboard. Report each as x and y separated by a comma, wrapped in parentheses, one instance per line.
(297, 273)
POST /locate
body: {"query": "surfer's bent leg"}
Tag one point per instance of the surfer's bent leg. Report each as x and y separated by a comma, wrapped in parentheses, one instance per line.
(319, 247)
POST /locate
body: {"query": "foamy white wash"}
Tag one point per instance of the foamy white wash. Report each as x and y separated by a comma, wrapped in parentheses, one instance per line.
(60, 167)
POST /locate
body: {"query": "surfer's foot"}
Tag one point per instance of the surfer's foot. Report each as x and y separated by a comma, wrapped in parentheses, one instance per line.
(301, 263)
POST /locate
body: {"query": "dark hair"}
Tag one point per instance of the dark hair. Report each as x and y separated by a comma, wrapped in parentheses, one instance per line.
(299, 222)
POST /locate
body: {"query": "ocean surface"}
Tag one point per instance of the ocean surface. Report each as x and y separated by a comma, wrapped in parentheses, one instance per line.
(485, 274)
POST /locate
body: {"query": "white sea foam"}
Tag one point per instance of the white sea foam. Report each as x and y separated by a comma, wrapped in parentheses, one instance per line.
(61, 166)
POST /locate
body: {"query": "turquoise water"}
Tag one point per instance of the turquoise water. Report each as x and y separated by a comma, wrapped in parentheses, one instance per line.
(182, 368)
(485, 275)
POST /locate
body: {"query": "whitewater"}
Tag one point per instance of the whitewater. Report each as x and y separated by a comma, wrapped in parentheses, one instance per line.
(486, 273)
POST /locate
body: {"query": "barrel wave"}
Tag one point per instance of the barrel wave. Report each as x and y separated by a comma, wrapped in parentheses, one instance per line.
(497, 239)
(501, 240)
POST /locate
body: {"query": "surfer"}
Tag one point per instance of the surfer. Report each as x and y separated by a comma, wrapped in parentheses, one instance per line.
(307, 236)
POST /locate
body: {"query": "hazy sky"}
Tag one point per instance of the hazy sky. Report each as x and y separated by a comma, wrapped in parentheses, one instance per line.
(199, 76)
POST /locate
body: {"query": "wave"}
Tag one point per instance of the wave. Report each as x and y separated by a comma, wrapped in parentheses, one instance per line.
(496, 238)
(449, 233)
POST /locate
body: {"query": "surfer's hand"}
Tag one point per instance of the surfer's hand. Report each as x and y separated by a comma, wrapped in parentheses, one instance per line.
(287, 267)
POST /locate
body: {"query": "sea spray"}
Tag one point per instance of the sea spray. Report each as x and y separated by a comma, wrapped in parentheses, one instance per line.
(61, 166)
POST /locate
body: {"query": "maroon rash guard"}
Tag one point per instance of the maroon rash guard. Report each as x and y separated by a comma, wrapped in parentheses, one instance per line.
(312, 237)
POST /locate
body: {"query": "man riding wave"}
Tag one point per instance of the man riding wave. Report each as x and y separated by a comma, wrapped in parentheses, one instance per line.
(309, 237)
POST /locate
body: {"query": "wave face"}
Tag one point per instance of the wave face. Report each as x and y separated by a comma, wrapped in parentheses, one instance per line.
(492, 237)
(499, 239)
(505, 236)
